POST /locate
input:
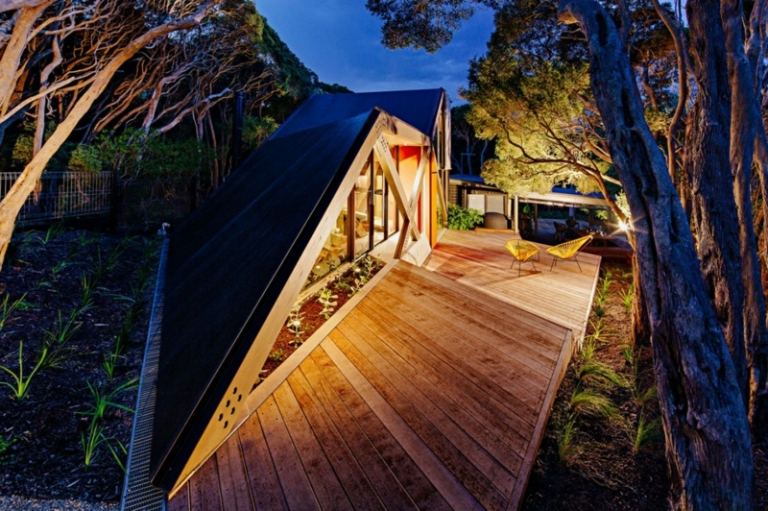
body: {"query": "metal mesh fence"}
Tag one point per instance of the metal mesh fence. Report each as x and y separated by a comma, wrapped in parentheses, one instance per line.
(62, 195)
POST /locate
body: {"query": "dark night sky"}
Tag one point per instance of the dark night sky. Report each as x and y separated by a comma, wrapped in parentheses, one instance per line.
(341, 41)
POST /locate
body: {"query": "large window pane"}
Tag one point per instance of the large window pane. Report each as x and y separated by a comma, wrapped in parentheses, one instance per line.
(362, 221)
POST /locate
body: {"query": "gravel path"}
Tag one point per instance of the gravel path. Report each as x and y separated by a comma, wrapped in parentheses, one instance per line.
(26, 504)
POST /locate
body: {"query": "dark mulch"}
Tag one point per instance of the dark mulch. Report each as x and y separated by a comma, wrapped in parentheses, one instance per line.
(343, 288)
(602, 469)
(46, 459)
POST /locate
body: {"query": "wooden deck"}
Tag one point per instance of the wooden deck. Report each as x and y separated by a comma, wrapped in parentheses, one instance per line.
(479, 260)
(423, 392)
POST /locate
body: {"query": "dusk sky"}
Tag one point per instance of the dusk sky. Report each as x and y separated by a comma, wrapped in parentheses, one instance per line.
(341, 41)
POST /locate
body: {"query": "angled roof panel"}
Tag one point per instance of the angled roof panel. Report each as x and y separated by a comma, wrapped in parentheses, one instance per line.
(419, 108)
(227, 264)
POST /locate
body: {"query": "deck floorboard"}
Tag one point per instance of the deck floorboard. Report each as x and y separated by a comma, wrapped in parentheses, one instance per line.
(431, 392)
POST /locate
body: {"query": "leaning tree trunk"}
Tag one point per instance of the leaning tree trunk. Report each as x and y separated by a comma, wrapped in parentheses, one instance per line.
(708, 168)
(25, 183)
(705, 422)
(745, 117)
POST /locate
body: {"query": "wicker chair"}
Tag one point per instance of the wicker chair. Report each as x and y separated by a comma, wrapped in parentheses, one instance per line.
(568, 250)
(522, 251)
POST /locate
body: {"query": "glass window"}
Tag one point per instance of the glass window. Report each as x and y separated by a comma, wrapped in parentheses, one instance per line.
(362, 207)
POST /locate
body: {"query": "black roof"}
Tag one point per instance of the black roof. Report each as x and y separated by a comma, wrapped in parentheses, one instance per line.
(227, 264)
(419, 108)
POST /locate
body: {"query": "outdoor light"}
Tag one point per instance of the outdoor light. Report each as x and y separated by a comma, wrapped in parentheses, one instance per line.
(624, 226)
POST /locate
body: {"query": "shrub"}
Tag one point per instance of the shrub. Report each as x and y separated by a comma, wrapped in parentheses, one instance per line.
(85, 158)
(463, 219)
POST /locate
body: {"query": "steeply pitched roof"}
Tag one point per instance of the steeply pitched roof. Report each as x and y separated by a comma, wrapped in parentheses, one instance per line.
(419, 108)
(227, 264)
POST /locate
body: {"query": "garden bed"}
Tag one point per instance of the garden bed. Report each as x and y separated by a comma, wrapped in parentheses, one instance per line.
(315, 310)
(604, 443)
(77, 301)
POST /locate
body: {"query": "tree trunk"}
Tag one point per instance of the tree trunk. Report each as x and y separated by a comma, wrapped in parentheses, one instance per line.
(25, 183)
(745, 118)
(714, 217)
(13, 51)
(705, 423)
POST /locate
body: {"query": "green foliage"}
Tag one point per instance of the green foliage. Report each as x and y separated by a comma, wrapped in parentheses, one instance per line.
(628, 298)
(91, 439)
(20, 383)
(7, 307)
(94, 437)
(329, 301)
(6, 442)
(592, 404)
(533, 112)
(159, 157)
(64, 328)
(599, 374)
(463, 219)
(362, 272)
(102, 402)
(85, 158)
(277, 355)
(118, 452)
(87, 286)
(566, 449)
(645, 432)
(295, 325)
(22, 150)
(257, 129)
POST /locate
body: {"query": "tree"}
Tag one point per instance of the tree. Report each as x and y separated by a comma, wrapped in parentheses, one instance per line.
(702, 404)
(114, 33)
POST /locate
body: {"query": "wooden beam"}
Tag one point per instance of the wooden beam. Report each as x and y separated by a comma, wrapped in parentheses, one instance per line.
(396, 185)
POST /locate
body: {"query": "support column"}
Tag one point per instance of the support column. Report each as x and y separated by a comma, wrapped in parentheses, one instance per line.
(516, 217)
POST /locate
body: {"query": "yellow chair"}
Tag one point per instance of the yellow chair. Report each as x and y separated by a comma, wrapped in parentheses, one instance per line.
(522, 251)
(568, 250)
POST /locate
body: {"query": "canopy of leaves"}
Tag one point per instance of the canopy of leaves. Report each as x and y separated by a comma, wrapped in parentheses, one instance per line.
(530, 94)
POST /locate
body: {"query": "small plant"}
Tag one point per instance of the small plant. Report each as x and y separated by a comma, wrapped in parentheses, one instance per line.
(600, 375)
(21, 383)
(103, 402)
(64, 328)
(643, 397)
(86, 291)
(592, 404)
(99, 268)
(605, 283)
(597, 329)
(84, 239)
(628, 298)
(566, 450)
(646, 431)
(463, 219)
(362, 272)
(628, 352)
(50, 234)
(118, 453)
(5, 444)
(91, 440)
(329, 301)
(277, 355)
(295, 325)
(58, 268)
(114, 257)
(7, 307)
(109, 364)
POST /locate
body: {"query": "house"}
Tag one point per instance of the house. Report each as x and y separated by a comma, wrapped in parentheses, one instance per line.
(471, 191)
(344, 175)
